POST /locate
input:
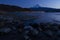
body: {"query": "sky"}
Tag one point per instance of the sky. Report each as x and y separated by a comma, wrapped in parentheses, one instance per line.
(30, 3)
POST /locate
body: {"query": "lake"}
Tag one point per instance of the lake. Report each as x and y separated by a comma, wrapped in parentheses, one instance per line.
(53, 17)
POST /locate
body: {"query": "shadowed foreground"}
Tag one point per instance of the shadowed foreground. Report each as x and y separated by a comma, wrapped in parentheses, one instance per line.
(12, 28)
(42, 31)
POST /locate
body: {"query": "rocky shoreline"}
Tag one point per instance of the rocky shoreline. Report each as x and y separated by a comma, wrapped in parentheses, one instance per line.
(12, 28)
(42, 31)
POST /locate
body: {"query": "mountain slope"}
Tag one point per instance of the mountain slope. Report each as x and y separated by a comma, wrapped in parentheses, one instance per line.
(39, 8)
(10, 8)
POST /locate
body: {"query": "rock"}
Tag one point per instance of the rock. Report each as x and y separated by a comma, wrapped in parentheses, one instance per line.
(6, 30)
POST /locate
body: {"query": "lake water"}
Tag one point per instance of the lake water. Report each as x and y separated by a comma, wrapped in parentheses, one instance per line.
(42, 17)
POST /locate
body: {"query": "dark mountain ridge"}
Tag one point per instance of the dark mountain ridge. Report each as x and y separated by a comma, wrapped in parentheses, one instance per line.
(10, 8)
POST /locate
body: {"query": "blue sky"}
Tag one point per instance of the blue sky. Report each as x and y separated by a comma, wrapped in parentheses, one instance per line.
(29, 3)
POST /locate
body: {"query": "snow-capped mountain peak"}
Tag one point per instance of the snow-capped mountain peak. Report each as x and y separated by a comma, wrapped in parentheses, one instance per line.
(36, 6)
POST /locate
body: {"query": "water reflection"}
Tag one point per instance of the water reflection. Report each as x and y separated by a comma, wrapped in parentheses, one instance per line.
(41, 17)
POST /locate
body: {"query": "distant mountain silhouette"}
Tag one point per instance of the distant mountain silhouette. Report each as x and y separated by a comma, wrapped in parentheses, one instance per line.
(11, 8)
(39, 8)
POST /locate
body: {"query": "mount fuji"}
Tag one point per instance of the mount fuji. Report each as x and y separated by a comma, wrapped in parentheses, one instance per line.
(37, 7)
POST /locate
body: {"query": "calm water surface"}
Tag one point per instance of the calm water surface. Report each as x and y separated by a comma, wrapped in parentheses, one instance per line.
(42, 17)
